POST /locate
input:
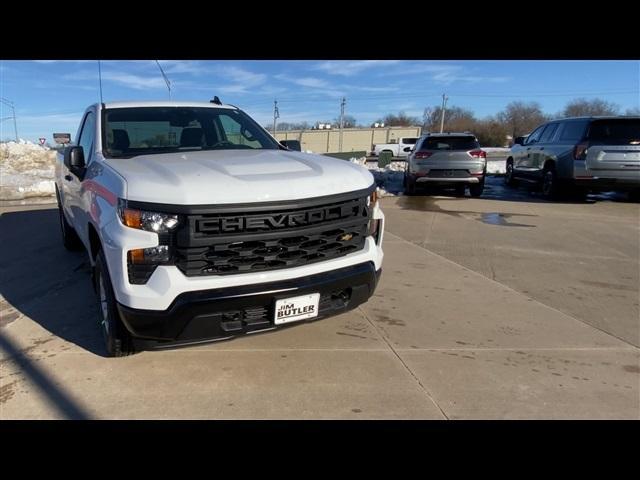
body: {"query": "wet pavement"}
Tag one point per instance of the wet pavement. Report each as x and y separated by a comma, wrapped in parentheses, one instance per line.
(506, 306)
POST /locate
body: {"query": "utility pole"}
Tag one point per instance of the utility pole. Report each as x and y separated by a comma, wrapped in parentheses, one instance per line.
(444, 106)
(342, 104)
(276, 115)
(13, 114)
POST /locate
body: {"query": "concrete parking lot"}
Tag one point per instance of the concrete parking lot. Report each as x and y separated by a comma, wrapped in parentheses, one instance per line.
(506, 306)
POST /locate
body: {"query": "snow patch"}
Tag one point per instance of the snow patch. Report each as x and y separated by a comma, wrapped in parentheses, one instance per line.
(26, 170)
(389, 179)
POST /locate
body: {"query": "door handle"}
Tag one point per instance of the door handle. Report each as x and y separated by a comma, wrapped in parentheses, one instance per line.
(529, 148)
(541, 148)
(68, 177)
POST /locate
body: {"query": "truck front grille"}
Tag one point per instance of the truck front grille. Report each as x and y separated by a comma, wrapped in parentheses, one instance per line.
(253, 241)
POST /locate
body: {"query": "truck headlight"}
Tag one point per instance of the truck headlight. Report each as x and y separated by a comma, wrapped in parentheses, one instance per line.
(143, 220)
(373, 199)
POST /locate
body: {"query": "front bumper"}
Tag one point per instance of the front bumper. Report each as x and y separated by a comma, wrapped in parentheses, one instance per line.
(603, 184)
(219, 314)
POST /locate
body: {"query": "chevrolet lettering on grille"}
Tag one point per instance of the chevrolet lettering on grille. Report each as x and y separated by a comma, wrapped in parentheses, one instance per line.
(234, 224)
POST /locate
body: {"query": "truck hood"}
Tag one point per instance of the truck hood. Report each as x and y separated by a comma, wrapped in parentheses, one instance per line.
(236, 176)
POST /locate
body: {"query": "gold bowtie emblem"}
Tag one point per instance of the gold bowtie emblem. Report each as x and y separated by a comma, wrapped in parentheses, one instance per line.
(346, 237)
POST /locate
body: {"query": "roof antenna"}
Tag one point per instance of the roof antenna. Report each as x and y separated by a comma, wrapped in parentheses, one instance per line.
(100, 80)
(216, 100)
(166, 80)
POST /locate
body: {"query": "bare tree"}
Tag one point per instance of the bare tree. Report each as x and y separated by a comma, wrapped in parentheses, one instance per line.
(491, 132)
(581, 107)
(633, 112)
(521, 118)
(400, 120)
(456, 119)
(349, 122)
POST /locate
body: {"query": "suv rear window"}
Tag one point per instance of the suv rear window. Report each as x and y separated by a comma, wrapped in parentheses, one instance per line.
(450, 143)
(623, 131)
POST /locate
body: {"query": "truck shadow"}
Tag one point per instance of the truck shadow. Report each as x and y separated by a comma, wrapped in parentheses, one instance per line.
(45, 282)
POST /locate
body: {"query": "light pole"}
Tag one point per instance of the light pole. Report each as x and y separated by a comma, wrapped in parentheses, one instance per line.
(444, 106)
(342, 104)
(13, 112)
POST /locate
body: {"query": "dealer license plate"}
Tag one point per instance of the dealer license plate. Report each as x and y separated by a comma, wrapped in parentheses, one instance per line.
(296, 308)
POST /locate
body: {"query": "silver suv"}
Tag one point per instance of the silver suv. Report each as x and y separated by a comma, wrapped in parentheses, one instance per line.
(446, 160)
(579, 154)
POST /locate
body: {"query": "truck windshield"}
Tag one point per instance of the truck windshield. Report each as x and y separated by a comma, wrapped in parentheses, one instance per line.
(128, 132)
(450, 143)
(622, 131)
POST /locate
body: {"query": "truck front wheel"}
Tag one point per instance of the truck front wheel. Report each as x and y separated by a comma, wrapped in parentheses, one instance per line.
(117, 340)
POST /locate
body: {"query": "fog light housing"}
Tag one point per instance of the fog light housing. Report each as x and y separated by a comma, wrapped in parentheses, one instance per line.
(151, 255)
(142, 262)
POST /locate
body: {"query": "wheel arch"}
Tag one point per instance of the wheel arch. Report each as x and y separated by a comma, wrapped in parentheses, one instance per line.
(95, 244)
(549, 164)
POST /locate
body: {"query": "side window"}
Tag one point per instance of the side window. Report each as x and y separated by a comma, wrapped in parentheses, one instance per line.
(535, 136)
(235, 133)
(87, 136)
(548, 133)
(572, 131)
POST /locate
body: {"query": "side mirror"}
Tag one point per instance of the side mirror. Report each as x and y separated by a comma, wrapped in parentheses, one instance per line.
(74, 160)
(291, 145)
(518, 141)
(407, 149)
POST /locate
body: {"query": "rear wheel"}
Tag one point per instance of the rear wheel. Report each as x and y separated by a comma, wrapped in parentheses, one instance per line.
(116, 337)
(634, 195)
(70, 238)
(409, 186)
(550, 188)
(508, 176)
(476, 189)
(460, 190)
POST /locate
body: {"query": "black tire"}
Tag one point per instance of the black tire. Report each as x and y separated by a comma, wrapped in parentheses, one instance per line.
(70, 238)
(634, 196)
(579, 194)
(460, 190)
(508, 176)
(550, 187)
(409, 186)
(118, 342)
(476, 189)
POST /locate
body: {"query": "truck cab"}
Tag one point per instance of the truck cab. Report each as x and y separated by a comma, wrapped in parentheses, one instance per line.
(400, 149)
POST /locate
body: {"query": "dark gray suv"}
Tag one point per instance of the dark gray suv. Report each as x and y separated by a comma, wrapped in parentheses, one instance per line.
(579, 155)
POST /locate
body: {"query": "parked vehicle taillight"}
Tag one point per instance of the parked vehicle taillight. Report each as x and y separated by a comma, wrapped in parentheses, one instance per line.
(580, 151)
(420, 155)
(478, 153)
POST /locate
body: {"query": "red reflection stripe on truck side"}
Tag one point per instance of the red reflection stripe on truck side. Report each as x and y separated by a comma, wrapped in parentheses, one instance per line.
(100, 191)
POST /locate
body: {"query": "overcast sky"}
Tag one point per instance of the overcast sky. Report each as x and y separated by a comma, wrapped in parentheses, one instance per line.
(51, 95)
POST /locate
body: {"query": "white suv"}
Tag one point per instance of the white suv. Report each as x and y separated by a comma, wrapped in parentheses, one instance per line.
(200, 226)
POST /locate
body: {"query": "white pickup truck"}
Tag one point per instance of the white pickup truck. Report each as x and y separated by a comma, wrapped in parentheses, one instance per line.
(200, 226)
(399, 149)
